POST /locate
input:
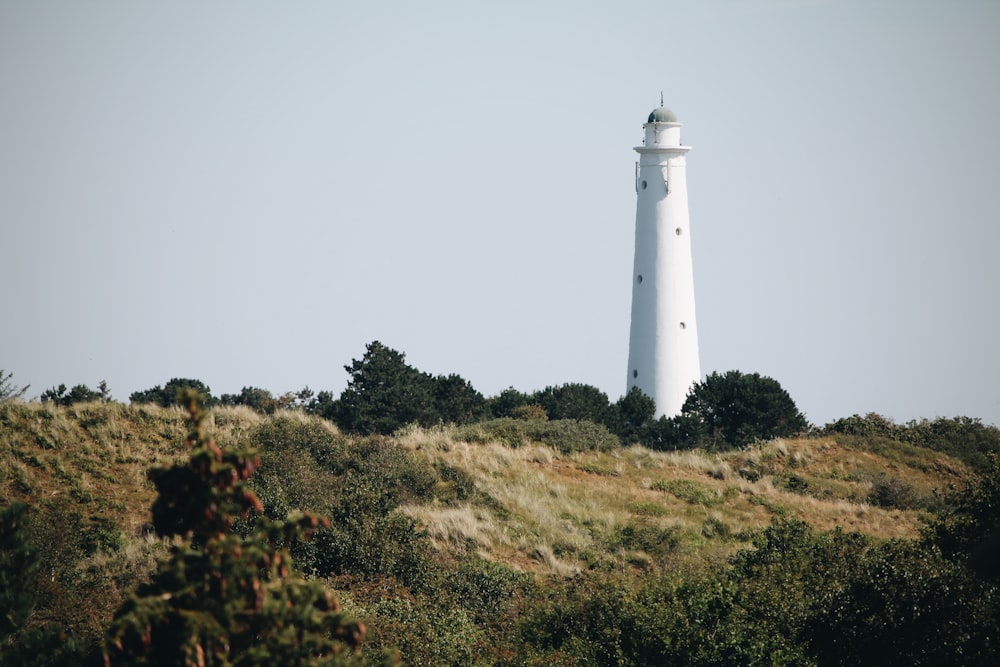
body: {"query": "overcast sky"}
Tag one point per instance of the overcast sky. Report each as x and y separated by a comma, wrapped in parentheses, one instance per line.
(247, 193)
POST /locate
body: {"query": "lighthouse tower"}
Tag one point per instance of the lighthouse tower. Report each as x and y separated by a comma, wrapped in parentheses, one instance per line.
(663, 343)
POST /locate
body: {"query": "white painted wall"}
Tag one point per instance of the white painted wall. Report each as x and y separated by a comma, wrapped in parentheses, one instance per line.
(663, 343)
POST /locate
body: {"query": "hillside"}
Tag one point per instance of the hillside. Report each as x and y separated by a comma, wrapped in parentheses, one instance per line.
(414, 511)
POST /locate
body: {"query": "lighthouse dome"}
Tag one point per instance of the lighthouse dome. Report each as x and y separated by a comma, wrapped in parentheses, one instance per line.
(662, 115)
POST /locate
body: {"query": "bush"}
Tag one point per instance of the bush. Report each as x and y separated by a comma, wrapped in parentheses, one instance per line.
(872, 424)
(259, 400)
(221, 598)
(688, 490)
(506, 402)
(484, 588)
(969, 531)
(174, 393)
(647, 537)
(892, 492)
(965, 438)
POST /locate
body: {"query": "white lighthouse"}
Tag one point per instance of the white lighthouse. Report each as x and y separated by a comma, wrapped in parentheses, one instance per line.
(663, 343)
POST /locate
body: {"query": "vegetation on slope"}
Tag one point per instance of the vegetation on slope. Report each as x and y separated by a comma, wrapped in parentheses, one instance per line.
(482, 544)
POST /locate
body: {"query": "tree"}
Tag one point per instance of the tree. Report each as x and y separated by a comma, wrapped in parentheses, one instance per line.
(8, 390)
(172, 393)
(738, 409)
(324, 404)
(456, 401)
(574, 401)
(80, 393)
(507, 401)
(673, 433)
(384, 393)
(630, 415)
(260, 400)
(223, 599)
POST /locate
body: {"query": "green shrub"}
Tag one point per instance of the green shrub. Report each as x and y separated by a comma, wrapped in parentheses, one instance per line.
(655, 540)
(965, 438)
(892, 492)
(872, 424)
(222, 598)
(688, 490)
(529, 412)
(485, 588)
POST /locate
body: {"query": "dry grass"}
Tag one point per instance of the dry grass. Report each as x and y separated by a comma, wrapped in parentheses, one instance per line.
(534, 506)
(565, 506)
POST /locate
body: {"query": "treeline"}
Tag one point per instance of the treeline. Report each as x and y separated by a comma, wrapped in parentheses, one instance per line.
(725, 411)
(385, 394)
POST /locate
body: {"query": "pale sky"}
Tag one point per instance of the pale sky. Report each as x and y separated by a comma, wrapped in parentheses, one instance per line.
(247, 193)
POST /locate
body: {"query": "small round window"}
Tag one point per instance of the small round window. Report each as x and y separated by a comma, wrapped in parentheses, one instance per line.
(644, 185)
(638, 279)
(678, 231)
(683, 326)
(635, 373)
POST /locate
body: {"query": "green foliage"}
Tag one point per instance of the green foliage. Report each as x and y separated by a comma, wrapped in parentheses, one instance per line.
(18, 564)
(484, 588)
(384, 393)
(360, 483)
(456, 401)
(630, 416)
(647, 537)
(80, 393)
(969, 531)
(427, 630)
(529, 412)
(847, 600)
(688, 490)
(739, 409)
(8, 390)
(796, 596)
(871, 425)
(726, 411)
(174, 393)
(221, 598)
(673, 433)
(507, 401)
(22, 645)
(264, 402)
(892, 492)
(259, 400)
(574, 401)
(965, 438)
(900, 603)
(367, 539)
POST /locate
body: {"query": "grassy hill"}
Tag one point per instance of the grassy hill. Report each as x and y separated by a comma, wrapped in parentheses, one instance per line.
(445, 539)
